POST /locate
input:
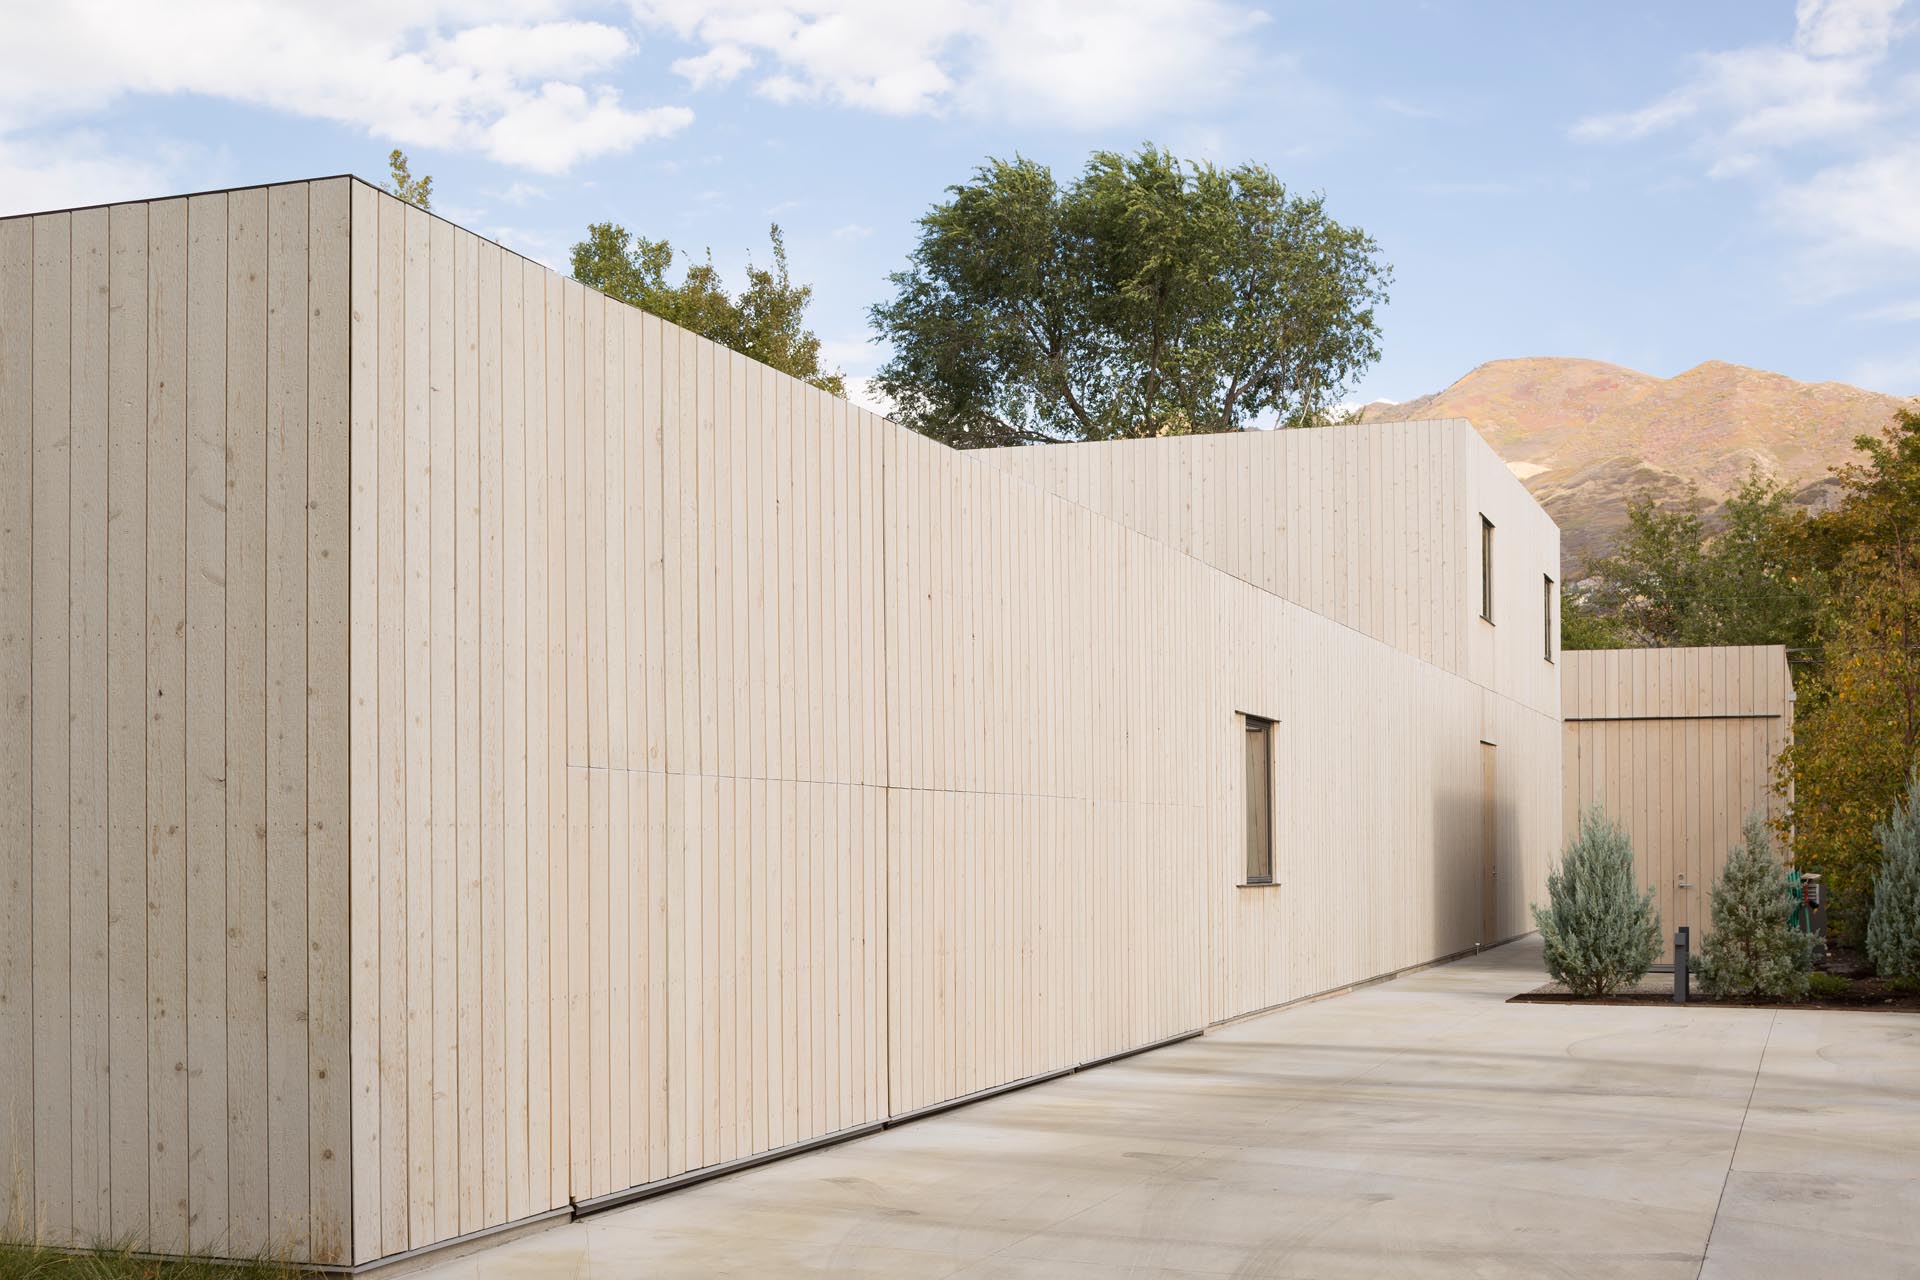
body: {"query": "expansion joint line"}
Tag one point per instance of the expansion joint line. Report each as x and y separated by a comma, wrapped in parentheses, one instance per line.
(1734, 1154)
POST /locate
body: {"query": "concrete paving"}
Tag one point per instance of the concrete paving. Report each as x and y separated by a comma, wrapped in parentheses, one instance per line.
(1421, 1127)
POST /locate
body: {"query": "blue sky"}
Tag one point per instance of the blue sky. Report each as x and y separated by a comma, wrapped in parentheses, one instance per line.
(1655, 184)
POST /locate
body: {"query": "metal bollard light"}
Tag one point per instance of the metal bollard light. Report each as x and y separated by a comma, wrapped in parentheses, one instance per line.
(1680, 965)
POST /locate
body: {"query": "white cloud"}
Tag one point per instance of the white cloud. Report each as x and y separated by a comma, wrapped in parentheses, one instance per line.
(722, 64)
(852, 231)
(1823, 127)
(1088, 62)
(863, 392)
(564, 124)
(512, 81)
(69, 168)
(1842, 28)
(1752, 100)
(520, 193)
(1871, 206)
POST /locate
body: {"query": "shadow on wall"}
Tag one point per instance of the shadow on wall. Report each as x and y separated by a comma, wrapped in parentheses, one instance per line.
(1476, 897)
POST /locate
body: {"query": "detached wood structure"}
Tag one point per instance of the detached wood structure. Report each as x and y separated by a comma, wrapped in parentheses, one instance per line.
(473, 748)
(1679, 746)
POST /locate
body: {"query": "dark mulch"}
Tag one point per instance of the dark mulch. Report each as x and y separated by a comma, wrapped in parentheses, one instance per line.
(1876, 994)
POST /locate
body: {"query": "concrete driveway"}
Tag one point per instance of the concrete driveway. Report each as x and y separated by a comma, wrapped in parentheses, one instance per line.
(1422, 1127)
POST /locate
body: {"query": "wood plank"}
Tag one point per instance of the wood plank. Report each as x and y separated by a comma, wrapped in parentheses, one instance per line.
(416, 845)
(87, 703)
(53, 1096)
(127, 538)
(249, 1226)
(329, 641)
(469, 940)
(495, 945)
(591, 356)
(204, 704)
(559, 475)
(534, 623)
(578, 742)
(443, 749)
(166, 739)
(614, 561)
(515, 750)
(399, 429)
(288, 1116)
(18, 333)
(366, 727)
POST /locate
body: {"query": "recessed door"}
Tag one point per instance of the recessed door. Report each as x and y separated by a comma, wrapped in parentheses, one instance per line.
(1489, 844)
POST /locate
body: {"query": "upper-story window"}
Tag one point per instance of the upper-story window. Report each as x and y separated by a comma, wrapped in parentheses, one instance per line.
(1486, 568)
(1546, 616)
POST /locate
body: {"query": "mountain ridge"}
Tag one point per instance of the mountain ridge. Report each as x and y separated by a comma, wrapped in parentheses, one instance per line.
(1585, 435)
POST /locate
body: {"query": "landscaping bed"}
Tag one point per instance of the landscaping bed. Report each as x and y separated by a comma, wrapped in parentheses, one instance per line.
(1844, 990)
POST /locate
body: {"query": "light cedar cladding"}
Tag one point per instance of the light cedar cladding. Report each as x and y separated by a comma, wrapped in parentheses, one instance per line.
(1679, 746)
(564, 754)
(173, 602)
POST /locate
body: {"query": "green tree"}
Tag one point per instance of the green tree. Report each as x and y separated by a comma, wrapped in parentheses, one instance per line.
(1857, 731)
(1600, 930)
(1676, 578)
(1583, 625)
(1753, 950)
(1758, 584)
(1649, 588)
(766, 320)
(1152, 297)
(402, 183)
(1893, 929)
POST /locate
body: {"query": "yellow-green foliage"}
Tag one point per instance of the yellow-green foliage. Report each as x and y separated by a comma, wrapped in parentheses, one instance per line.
(1856, 735)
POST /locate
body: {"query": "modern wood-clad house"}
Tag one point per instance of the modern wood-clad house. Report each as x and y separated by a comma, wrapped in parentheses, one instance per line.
(471, 748)
(1678, 746)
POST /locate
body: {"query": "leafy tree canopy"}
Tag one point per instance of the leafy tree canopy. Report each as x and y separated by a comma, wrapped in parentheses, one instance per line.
(766, 320)
(1749, 578)
(1153, 296)
(1857, 731)
(402, 183)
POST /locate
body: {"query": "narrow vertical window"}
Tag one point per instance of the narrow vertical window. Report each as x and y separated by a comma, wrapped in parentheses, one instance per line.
(1259, 801)
(1546, 616)
(1486, 568)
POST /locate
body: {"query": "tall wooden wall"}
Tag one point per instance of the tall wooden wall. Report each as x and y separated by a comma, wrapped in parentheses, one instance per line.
(1362, 551)
(173, 757)
(693, 764)
(1679, 746)
(619, 815)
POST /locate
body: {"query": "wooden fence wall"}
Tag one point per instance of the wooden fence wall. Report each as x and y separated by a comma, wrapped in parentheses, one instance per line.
(693, 764)
(173, 761)
(1679, 745)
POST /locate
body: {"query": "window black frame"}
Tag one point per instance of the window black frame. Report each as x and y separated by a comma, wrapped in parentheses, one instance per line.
(1264, 727)
(1546, 612)
(1486, 569)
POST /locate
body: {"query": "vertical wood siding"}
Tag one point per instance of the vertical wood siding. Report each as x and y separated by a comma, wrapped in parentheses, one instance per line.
(566, 754)
(173, 775)
(1679, 746)
(841, 774)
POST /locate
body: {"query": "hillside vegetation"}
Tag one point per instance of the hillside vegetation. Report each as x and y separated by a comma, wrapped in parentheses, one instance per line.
(1584, 435)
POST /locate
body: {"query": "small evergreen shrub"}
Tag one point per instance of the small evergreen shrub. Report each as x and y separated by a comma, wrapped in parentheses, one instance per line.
(1601, 930)
(1826, 986)
(1752, 950)
(1893, 928)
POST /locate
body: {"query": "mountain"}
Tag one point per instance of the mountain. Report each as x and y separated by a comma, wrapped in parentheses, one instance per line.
(1584, 435)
